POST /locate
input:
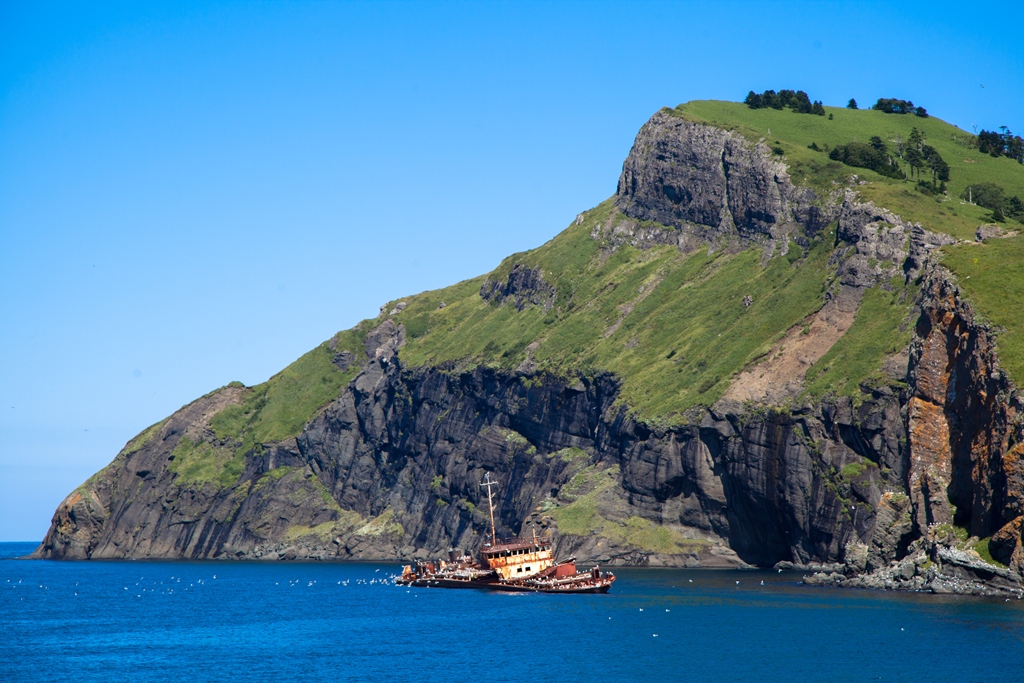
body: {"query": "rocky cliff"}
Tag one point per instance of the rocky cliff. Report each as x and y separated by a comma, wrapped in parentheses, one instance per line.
(872, 488)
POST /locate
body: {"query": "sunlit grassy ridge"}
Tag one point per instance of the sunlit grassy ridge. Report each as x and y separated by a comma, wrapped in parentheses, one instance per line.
(794, 132)
(991, 275)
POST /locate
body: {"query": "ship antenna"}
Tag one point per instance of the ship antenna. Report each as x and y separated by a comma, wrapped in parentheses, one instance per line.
(487, 483)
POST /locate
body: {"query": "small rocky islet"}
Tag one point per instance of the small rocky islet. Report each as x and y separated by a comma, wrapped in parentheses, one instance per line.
(751, 355)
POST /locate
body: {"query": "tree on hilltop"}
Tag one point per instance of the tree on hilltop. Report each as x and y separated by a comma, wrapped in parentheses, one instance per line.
(852, 104)
(797, 100)
(892, 105)
(1001, 144)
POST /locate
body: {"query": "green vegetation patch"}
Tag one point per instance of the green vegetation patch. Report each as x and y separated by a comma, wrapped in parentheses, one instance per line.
(981, 547)
(320, 532)
(853, 470)
(581, 517)
(383, 524)
(882, 327)
(992, 276)
(144, 437)
(569, 454)
(646, 535)
(673, 326)
(274, 476)
(281, 406)
(199, 462)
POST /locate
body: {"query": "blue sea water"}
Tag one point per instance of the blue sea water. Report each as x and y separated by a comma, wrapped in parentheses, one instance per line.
(221, 621)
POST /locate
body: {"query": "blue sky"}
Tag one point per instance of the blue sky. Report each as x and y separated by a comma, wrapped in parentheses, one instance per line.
(194, 193)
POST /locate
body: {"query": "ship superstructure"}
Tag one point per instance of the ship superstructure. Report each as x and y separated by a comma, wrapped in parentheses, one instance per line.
(519, 560)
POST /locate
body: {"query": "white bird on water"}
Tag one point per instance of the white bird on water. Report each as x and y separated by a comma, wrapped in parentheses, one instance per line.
(737, 583)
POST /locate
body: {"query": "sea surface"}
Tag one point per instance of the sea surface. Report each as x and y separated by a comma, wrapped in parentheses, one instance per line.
(239, 621)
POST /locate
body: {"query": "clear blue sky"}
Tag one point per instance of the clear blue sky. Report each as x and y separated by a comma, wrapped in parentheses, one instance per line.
(194, 193)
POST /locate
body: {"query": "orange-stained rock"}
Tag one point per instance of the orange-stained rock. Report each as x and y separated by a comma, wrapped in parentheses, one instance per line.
(930, 463)
(1013, 468)
(934, 365)
(1005, 545)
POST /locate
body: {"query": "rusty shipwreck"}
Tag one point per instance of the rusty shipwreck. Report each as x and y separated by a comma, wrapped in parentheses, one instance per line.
(521, 564)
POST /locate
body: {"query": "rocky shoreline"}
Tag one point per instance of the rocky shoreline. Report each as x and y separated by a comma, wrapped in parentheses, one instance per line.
(930, 566)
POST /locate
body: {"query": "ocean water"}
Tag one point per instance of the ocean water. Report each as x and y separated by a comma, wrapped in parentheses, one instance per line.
(226, 621)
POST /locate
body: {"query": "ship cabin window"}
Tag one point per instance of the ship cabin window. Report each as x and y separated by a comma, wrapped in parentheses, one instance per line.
(527, 569)
(519, 569)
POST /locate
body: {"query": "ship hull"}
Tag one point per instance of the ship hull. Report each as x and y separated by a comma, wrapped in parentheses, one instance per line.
(603, 588)
(438, 582)
(600, 586)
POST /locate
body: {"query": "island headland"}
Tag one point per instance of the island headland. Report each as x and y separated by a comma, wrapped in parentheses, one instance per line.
(793, 335)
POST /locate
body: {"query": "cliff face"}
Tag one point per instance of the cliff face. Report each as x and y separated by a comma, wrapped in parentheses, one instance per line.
(714, 184)
(392, 467)
(964, 440)
(401, 453)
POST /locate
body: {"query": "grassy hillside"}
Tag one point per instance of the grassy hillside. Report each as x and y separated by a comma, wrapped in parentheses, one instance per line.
(794, 132)
(673, 326)
(271, 411)
(990, 275)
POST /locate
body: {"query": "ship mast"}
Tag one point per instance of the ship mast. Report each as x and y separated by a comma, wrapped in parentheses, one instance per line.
(487, 484)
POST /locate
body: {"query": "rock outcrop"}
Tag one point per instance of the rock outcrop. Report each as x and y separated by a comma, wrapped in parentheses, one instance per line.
(522, 287)
(712, 183)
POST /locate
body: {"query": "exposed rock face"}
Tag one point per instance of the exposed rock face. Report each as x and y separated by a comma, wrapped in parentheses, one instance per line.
(522, 287)
(392, 467)
(963, 419)
(713, 184)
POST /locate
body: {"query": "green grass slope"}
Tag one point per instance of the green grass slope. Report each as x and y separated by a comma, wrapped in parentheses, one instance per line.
(673, 326)
(270, 412)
